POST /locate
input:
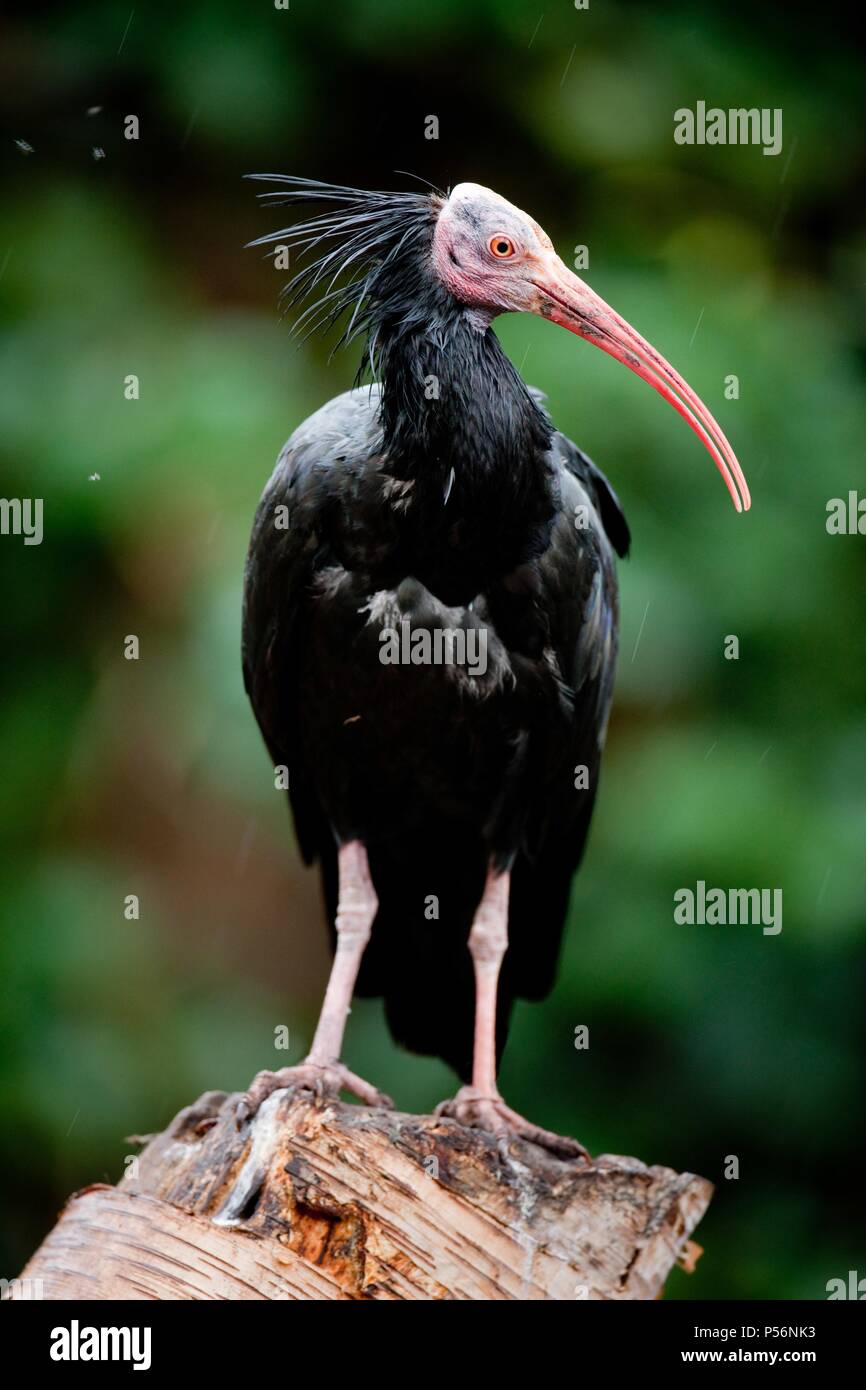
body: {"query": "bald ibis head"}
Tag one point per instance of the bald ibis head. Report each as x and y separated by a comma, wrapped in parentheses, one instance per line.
(496, 258)
(406, 252)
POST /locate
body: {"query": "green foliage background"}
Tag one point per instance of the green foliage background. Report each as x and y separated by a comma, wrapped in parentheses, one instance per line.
(150, 778)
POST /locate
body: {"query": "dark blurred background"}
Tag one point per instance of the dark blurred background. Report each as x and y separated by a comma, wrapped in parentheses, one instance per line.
(149, 777)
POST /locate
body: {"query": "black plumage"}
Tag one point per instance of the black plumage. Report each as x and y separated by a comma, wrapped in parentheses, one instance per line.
(442, 495)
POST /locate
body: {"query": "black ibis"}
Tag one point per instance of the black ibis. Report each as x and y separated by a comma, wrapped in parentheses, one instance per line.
(447, 808)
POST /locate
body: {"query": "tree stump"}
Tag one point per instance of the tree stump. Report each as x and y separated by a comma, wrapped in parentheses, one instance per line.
(332, 1201)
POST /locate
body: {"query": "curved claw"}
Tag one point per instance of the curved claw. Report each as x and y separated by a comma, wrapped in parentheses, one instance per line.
(324, 1080)
(489, 1112)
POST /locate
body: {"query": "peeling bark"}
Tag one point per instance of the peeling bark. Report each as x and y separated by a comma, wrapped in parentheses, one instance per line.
(333, 1201)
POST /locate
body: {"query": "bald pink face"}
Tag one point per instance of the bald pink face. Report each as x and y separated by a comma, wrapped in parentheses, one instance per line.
(496, 259)
(486, 251)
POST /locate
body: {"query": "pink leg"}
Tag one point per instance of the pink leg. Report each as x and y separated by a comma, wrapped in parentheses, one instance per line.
(480, 1104)
(488, 942)
(322, 1071)
(356, 909)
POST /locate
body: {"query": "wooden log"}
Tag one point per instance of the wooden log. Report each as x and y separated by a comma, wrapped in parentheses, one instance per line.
(333, 1201)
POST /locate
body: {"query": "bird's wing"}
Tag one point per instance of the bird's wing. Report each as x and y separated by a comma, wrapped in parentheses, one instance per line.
(579, 597)
(592, 648)
(287, 550)
(582, 467)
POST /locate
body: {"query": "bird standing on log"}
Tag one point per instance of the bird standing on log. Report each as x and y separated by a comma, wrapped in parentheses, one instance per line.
(447, 802)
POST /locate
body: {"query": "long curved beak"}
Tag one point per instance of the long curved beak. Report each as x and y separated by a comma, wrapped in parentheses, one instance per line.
(566, 300)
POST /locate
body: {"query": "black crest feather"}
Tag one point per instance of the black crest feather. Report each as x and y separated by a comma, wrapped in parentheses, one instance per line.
(368, 254)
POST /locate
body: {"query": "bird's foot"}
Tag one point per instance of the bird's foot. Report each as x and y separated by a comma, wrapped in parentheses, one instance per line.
(325, 1080)
(479, 1111)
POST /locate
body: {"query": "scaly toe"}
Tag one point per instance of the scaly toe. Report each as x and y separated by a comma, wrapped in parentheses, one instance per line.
(325, 1080)
(489, 1112)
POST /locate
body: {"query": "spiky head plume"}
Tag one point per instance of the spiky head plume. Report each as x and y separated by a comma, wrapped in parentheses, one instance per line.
(370, 254)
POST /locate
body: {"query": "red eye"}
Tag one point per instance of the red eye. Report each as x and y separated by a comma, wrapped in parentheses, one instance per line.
(501, 246)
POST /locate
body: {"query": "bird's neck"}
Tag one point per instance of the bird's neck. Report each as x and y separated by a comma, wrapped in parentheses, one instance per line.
(462, 430)
(452, 399)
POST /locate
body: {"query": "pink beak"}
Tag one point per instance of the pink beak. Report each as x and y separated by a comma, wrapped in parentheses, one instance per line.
(566, 300)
